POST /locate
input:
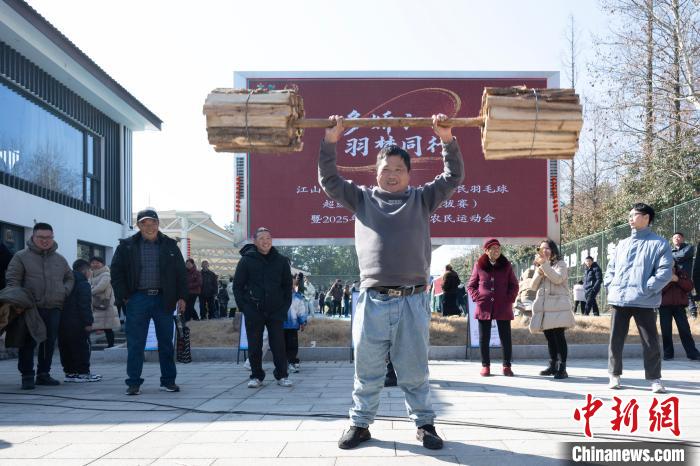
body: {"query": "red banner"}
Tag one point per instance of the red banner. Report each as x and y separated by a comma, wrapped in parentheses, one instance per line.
(496, 198)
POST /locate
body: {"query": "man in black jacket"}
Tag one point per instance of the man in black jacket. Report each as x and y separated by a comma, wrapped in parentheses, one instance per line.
(5, 258)
(149, 278)
(75, 327)
(683, 256)
(592, 280)
(210, 287)
(262, 286)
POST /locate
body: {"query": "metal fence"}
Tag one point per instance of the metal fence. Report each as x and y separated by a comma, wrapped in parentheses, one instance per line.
(683, 217)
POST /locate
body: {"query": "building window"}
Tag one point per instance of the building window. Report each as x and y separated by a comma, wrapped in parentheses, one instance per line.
(12, 236)
(87, 250)
(38, 146)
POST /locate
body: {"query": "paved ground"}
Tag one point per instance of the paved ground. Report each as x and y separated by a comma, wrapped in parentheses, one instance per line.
(520, 420)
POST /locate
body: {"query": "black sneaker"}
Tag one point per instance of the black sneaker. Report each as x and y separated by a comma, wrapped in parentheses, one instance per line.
(353, 437)
(133, 390)
(429, 437)
(169, 387)
(46, 379)
(28, 383)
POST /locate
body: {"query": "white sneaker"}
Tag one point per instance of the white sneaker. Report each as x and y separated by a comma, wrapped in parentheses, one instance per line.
(255, 383)
(614, 383)
(285, 382)
(246, 364)
(657, 386)
(90, 377)
(293, 368)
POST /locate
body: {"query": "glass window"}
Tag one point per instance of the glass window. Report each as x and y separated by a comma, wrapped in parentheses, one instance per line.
(12, 236)
(40, 147)
(87, 250)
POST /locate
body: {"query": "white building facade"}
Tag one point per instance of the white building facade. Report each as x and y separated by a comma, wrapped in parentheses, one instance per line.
(65, 139)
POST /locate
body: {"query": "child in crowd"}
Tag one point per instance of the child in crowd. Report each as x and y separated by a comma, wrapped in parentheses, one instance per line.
(75, 327)
(579, 296)
(296, 320)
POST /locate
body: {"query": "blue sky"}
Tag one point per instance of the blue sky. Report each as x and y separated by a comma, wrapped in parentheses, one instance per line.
(171, 54)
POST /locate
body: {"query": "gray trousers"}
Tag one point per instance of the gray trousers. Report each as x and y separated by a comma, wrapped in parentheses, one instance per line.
(646, 324)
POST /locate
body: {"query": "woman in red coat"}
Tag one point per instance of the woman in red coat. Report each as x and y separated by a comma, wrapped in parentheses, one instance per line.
(493, 288)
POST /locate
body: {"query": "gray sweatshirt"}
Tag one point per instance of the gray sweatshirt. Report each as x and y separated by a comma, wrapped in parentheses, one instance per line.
(392, 230)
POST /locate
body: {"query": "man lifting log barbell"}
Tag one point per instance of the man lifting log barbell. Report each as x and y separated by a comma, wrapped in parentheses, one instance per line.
(392, 238)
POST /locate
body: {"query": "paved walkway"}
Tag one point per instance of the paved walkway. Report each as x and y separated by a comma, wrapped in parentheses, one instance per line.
(519, 418)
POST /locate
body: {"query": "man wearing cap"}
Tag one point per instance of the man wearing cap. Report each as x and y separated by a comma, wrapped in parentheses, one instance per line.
(149, 278)
(392, 238)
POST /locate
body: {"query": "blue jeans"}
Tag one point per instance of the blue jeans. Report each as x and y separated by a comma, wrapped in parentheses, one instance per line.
(25, 358)
(140, 309)
(383, 323)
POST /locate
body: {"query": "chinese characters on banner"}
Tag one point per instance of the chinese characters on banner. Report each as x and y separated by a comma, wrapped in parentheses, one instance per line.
(496, 198)
(661, 415)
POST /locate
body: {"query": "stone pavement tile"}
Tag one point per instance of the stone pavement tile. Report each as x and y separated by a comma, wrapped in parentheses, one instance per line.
(327, 435)
(135, 416)
(133, 426)
(339, 424)
(227, 450)
(86, 437)
(83, 450)
(457, 449)
(372, 447)
(45, 462)
(533, 447)
(279, 462)
(500, 458)
(14, 437)
(399, 461)
(185, 462)
(123, 462)
(466, 434)
(140, 451)
(188, 422)
(259, 424)
(220, 436)
(160, 438)
(28, 450)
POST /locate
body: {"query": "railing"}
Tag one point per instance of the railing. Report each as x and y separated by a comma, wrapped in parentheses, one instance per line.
(684, 218)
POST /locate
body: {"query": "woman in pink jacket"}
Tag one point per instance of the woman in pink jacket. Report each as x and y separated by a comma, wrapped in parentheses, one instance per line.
(493, 288)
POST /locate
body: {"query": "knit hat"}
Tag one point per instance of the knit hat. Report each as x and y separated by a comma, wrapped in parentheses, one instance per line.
(491, 242)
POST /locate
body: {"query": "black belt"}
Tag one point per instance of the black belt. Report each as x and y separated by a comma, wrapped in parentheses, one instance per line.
(151, 291)
(399, 290)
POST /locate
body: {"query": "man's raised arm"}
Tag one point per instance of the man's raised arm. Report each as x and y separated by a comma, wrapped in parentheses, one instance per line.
(334, 185)
(444, 185)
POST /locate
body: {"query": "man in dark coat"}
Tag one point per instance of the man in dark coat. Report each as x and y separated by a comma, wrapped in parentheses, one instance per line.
(262, 286)
(210, 287)
(683, 256)
(592, 280)
(5, 258)
(149, 278)
(450, 284)
(75, 327)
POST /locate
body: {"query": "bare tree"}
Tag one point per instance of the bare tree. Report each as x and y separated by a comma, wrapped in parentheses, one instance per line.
(571, 66)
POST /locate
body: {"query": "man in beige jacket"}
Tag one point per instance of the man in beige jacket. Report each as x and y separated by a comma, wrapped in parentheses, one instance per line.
(47, 276)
